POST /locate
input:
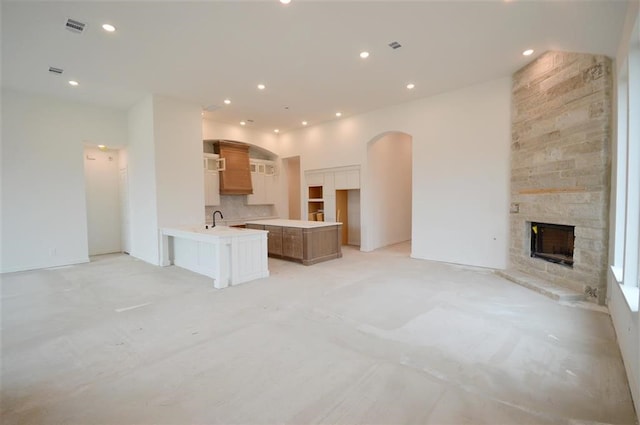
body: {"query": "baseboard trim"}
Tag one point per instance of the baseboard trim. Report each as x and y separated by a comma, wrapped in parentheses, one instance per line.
(24, 268)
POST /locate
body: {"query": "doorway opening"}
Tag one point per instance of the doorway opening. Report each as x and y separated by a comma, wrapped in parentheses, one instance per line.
(292, 167)
(348, 213)
(389, 189)
(103, 180)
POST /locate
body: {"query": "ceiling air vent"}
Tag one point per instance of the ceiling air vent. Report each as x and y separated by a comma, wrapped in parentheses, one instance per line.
(395, 45)
(54, 70)
(74, 26)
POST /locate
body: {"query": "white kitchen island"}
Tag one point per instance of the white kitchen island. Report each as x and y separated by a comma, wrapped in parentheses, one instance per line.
(229, 255)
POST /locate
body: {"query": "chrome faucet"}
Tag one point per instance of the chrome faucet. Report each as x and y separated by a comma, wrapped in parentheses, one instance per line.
(214, 216)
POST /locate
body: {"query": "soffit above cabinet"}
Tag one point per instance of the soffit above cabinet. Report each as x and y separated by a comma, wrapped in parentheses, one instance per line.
(255, 152)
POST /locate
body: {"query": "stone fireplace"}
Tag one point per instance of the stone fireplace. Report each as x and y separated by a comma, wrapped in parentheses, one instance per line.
(561, 113)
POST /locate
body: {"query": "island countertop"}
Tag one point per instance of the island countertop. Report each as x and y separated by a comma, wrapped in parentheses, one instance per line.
(301, 224)
(203, 234)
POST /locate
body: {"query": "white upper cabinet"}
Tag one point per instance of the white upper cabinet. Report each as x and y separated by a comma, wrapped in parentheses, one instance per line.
(329, 186)
(212, 165)
(348, 179)
(322, 186)
(264, 179)
(315, 179)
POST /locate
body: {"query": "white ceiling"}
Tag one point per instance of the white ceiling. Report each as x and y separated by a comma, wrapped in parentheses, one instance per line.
(306, 52)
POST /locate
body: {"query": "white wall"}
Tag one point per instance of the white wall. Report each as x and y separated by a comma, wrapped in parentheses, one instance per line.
(625, 320)
(178, 155)
(142, 183)
(44, 214)
(460, 150)
(125, 206)
(102, 174)
(461, 154)
(166, 183)
(212, 130)
(389, 178)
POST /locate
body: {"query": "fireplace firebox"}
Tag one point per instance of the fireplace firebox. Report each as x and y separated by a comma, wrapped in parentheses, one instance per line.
(553, 242)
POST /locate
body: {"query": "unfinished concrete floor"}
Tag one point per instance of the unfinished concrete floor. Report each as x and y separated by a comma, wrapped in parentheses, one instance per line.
(374, 338)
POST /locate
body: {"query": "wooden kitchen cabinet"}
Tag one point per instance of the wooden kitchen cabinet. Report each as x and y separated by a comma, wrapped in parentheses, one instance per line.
(292, 246)
(235, 179)
(274, 240)
(315, 203)
(306, 242)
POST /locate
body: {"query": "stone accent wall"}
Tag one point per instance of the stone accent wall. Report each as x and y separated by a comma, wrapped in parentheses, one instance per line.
(561, 130)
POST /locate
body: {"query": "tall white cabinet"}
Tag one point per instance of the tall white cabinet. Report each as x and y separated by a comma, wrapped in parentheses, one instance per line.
(321, 190)
(212, 165)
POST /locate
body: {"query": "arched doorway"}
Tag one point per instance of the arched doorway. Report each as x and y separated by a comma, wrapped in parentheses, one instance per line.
(389, 189)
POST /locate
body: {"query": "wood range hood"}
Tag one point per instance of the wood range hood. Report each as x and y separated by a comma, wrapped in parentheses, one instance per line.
(235, 177)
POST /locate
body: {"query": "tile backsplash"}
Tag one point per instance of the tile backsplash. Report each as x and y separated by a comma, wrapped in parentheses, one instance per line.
(234, 209)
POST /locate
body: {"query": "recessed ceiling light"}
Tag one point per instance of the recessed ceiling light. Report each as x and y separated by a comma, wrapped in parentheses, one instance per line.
(243, 123)
(73, 83)
(338, 114)
(528, 52)
(364, 55)
(285, 1)
(304, 123)
(102, 147)
(227, 102)
(411, 86)
(108, 28)
(276, 131)
(261, 86)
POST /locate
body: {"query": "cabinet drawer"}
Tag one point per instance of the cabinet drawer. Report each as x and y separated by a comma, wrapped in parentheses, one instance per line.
(292, 246)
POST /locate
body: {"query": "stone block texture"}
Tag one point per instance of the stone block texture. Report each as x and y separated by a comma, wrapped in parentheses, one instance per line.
(560, 164)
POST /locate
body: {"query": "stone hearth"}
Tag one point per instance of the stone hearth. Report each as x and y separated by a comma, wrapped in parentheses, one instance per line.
(561, 113)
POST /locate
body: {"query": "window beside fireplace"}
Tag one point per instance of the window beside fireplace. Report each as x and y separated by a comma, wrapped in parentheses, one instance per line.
(553, 242)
